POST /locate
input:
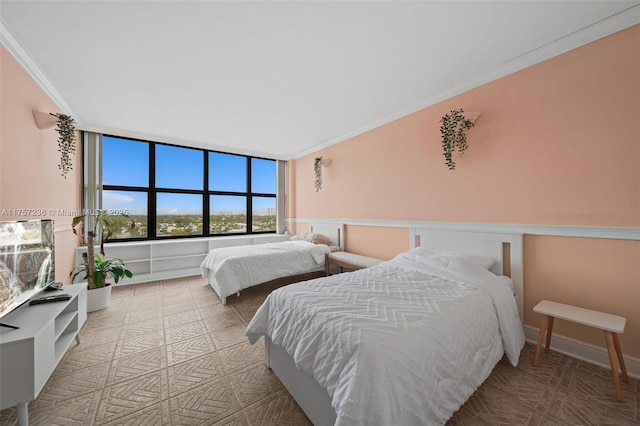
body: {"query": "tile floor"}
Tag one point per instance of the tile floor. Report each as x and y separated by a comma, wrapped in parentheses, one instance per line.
(168, 353)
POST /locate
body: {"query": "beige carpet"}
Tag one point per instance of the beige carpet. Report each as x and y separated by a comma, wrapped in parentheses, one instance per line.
(168, 353)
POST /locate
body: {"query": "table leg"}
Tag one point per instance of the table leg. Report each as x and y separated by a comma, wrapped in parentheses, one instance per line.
(616, 343)
(614, 367)
(543, 328)
(549, 331)
(23, 413)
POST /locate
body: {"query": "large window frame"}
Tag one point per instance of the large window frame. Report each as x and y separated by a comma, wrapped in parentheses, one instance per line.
(205, 193)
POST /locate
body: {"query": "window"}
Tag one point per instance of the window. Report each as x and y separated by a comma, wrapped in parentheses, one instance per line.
(173, 191)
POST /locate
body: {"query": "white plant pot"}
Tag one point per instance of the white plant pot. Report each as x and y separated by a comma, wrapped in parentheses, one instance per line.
(98, 298)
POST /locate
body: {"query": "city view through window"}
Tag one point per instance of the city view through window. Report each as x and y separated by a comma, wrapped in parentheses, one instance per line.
(169, 197)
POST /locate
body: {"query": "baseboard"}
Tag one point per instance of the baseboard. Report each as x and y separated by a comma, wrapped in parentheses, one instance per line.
(583, 351)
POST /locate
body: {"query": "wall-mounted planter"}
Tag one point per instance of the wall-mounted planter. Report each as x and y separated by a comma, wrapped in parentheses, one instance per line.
(453, 129)
(66, 128)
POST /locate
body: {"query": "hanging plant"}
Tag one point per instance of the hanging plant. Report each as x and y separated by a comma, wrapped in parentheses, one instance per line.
(317, 171)
(66, 128)
(453, 127)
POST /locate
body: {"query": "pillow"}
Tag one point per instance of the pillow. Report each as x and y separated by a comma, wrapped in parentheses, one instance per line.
(320, 239)
(484, 262)
(312, 238)
(335, 248)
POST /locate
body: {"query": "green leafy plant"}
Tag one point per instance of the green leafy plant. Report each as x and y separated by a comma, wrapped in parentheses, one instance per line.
(317, 172)
(453, 130)
(95, 265)
(66, 128)
(102, 269)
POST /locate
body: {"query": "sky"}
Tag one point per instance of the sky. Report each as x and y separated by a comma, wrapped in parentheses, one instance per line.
(126, 162)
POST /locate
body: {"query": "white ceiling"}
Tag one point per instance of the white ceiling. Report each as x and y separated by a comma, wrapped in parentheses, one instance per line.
(281, 79)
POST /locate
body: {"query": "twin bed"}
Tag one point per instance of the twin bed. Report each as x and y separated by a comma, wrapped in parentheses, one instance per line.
(403, 342)
(230, 270)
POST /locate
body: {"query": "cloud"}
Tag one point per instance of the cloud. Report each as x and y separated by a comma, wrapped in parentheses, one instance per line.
(111, 198)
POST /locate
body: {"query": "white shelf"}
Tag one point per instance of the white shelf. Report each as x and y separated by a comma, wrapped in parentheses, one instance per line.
(165, 259)
(30, 354)
(63, 320)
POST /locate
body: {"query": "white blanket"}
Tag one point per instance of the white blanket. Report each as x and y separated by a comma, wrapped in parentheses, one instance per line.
(237, 268)
(402, 343)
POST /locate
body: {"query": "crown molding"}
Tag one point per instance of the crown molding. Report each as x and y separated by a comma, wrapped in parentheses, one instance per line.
(30, 66)
(614, 233)
(591, 33)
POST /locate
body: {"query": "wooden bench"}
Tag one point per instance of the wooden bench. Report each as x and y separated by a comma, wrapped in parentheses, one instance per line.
(349, 261)
(612, 325)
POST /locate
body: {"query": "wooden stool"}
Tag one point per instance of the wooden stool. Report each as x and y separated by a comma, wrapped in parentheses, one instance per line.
(610, 324)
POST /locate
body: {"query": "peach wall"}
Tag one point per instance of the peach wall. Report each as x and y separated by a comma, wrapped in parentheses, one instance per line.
(557, 143)
(29, 174)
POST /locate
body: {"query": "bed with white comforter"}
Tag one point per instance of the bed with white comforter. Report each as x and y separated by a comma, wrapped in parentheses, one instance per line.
(232, 269)
(402, 343)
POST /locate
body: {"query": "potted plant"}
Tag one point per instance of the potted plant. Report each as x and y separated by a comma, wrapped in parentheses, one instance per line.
(96, 267)
(66, 128)
(317, 172)
(453, 127)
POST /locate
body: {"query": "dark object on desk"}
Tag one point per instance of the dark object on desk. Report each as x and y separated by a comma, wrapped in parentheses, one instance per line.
(49, 298)
(53, 287)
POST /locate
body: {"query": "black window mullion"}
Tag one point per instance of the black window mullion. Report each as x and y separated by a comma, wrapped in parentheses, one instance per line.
(151, 199)
(205, 197)
(249, 199)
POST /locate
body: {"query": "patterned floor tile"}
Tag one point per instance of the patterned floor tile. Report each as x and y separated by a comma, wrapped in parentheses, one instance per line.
(189, 348)
(139, 343)
(144, 315)
(247, 313)
(221, 320)
(75, 411)
(66, 385)
(229, 336)
(142, 327)
(133, 395)
(135, 365)
(522, 386)
(154, 415)
(213, 309)
(177, 319)
(175, 308)
(237, 419)
(184, 331)
(279, 409)
(82, 356)
(255, 383)
(98, 336)
(241, 355)
(194, 372)
(206, 404)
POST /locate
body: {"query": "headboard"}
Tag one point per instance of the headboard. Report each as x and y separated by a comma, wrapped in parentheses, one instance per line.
(478, 243)
(335, 231)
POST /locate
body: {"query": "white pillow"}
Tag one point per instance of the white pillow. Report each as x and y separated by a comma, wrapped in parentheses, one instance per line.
(484, 262)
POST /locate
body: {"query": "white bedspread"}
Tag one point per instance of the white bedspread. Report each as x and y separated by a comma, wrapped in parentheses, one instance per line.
(402, 343)
(237, 268)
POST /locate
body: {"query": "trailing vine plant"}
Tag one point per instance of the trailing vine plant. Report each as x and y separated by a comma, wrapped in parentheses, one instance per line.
(66, 128)
(453, 127)
(317, 171)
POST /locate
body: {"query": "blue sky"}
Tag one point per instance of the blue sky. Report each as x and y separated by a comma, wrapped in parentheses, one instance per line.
(126, 162)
